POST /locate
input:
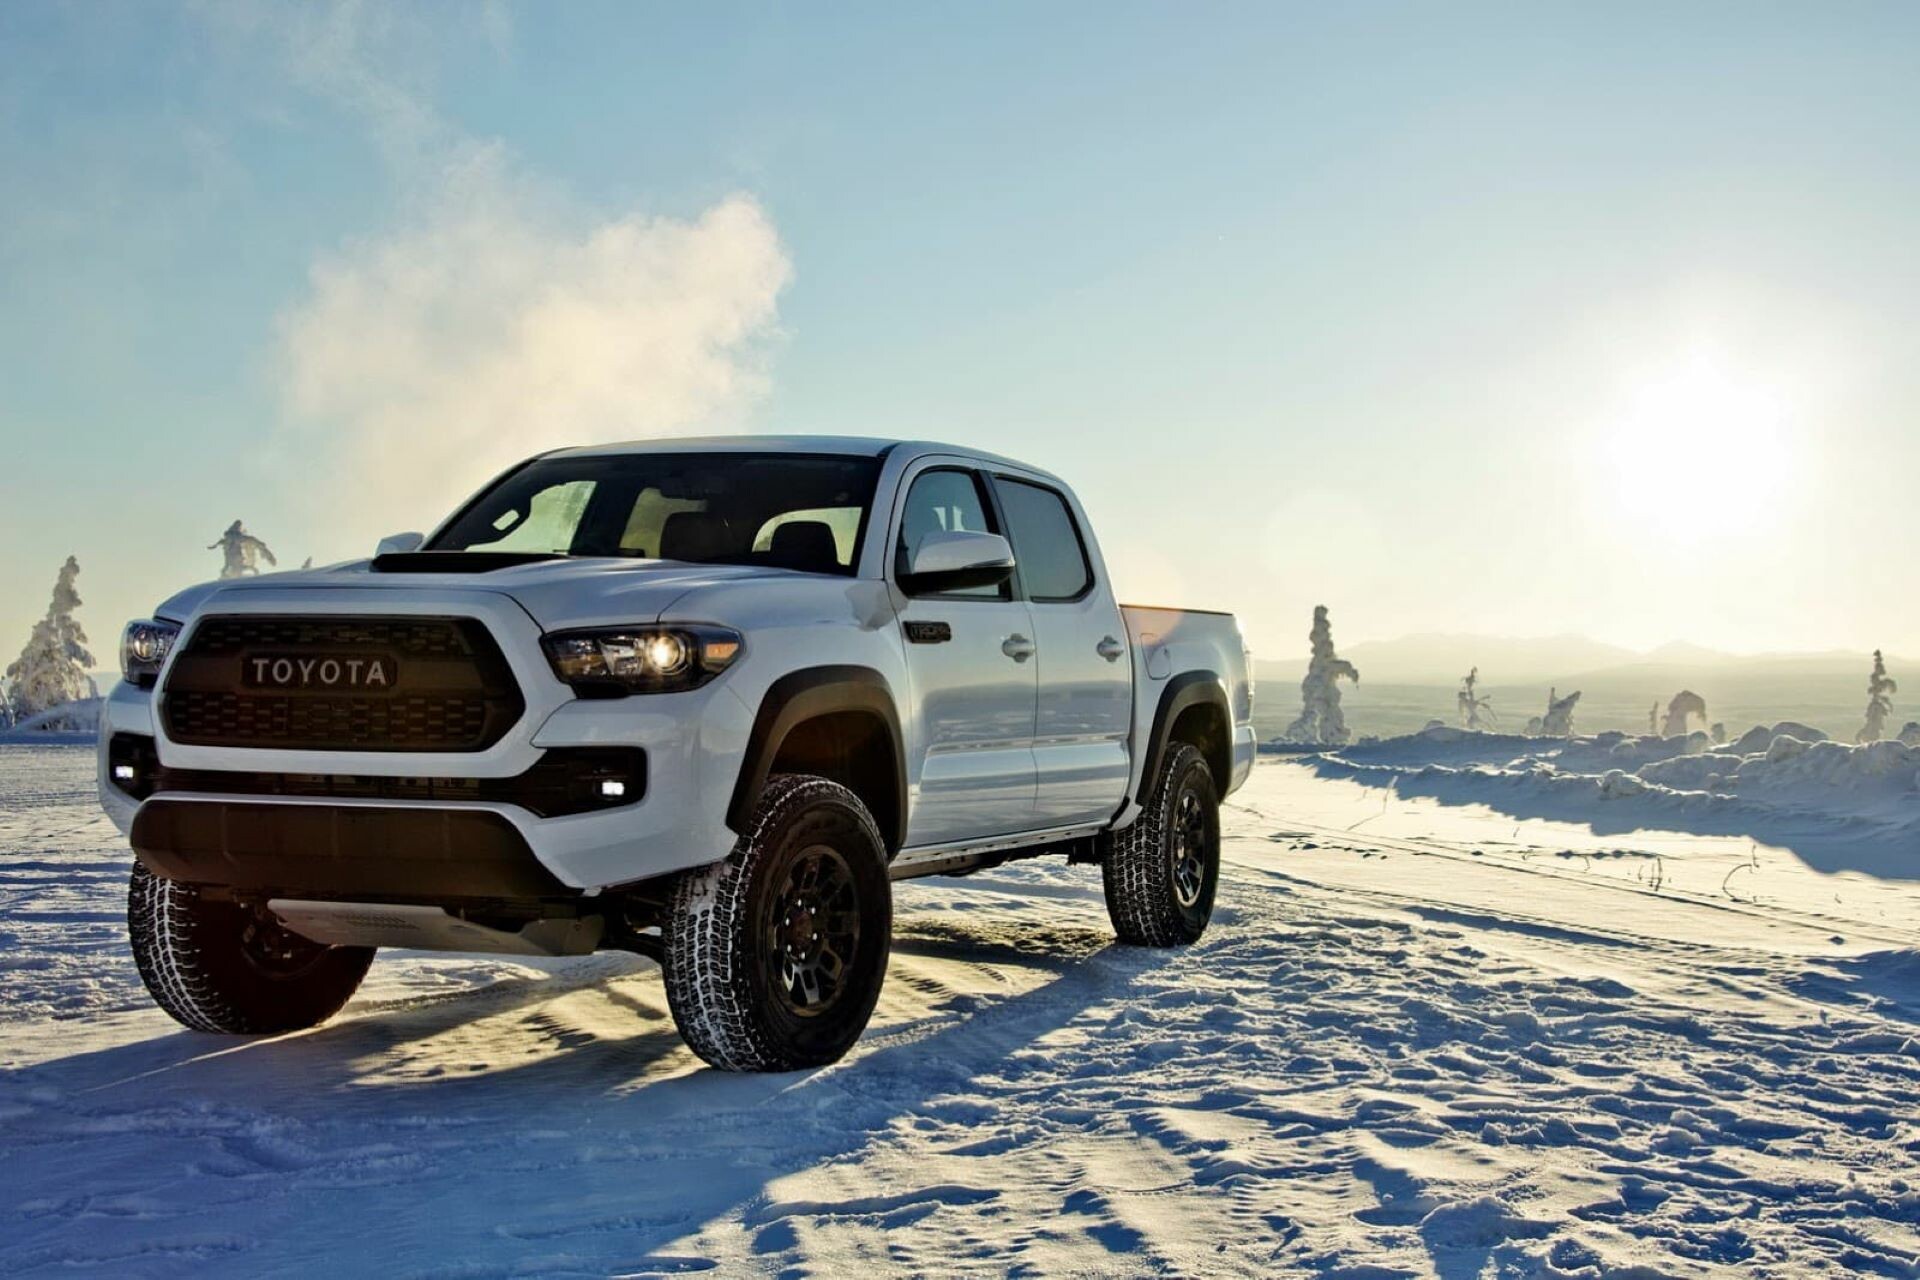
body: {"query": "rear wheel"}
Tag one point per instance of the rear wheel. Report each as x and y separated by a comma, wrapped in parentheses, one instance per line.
(224, 967)
(1162, 871)
(776, 954)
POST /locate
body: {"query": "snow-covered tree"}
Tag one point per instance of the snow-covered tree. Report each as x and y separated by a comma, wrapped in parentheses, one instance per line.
(1471, 704)
(52, 669)
(1686, 714)
(242, 552)
(1880, 691)
(1320, 719)
(1558, 721)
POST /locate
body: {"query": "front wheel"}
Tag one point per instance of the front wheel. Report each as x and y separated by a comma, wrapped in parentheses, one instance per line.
(775, 955)
(1162, 871)
(224, 967)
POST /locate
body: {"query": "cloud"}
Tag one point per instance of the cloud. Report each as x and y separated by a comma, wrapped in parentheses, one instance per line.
(424, 360)
(496, 318)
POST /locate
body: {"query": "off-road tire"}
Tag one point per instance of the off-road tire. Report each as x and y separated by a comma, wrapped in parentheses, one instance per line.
(231, 969)
(1146, 899)
(724, 931)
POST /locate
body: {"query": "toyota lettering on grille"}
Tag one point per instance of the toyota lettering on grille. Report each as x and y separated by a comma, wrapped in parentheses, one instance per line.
(327, 672)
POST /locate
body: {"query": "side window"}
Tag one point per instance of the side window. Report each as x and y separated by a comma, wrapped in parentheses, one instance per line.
(546, 523)
(1046, 542)
(945, 502)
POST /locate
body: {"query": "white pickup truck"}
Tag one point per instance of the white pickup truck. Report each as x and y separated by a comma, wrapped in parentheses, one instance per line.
(698, 699)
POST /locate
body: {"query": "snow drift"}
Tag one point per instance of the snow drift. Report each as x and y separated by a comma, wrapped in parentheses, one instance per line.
(1842, 805)
(70, 722)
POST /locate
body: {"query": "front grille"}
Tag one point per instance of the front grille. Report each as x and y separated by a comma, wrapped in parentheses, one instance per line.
(449, 688)
(396, 724)
(236, 633)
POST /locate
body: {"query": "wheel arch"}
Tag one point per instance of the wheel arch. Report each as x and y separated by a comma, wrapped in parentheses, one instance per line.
(837, 721)
(1193, 709)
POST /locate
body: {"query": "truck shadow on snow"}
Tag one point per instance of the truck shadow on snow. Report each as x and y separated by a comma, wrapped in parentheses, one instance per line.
(563, 1105)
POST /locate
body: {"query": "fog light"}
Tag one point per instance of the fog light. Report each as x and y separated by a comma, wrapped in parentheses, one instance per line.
(123, 773)
(612, 789)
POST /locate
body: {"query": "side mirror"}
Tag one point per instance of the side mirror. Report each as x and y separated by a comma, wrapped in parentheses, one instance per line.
(956, 561)
(400, 543)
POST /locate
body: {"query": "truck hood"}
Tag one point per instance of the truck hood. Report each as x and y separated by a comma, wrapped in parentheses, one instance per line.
(585, 591)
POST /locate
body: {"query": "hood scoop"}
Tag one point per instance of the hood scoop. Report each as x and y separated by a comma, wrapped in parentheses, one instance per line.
(457, 561)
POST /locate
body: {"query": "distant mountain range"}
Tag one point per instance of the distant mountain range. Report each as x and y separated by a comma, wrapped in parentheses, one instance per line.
(1569, 660)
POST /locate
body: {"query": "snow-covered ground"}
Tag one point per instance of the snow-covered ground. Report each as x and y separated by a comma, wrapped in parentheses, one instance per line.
(1426, 1036)
(1836, 806)
(68, 724)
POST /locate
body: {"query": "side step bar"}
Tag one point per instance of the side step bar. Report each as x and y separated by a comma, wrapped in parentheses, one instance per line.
(947, 860)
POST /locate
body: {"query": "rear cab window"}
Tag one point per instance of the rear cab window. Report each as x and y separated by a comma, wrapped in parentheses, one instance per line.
(1047, 544)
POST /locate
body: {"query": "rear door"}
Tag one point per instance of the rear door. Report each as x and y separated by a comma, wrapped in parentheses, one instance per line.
(1085, 704)
(970, 658)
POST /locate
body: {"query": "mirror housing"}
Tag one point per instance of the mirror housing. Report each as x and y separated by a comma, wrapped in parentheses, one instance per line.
(399, 543)
(957, 561)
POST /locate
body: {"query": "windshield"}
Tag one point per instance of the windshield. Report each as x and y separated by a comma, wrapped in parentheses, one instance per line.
(785, 510)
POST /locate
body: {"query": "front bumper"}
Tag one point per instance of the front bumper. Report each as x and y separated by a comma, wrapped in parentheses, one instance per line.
(694, 742)
(363, 853)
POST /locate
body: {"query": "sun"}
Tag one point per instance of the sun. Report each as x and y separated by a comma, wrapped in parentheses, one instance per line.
(1698, 451)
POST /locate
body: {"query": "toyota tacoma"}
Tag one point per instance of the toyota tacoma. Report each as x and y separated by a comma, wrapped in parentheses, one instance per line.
(703, 700)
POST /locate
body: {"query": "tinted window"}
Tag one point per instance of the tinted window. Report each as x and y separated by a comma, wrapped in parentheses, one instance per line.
(793, 511)
(944, 502)
(1046, 543)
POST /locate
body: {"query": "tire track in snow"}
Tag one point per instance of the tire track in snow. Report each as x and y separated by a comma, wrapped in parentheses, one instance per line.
(1431, 846)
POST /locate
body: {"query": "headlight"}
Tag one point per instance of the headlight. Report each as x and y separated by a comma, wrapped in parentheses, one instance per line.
(610, 662)
(143, 650)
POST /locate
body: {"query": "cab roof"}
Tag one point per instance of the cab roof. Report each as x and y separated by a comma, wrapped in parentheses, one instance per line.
(860, 446)
(854, 446)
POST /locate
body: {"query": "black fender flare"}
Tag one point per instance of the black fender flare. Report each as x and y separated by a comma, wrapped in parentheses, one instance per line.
(1184, 691)
(800, 696)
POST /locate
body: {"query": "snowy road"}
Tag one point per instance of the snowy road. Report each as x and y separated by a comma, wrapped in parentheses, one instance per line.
(1418, 1041)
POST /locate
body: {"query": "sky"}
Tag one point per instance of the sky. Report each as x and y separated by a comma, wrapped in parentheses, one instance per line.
(1506, 319)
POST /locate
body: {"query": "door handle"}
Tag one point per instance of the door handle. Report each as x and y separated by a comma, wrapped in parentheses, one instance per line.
(1017, 647)
(1110, 649)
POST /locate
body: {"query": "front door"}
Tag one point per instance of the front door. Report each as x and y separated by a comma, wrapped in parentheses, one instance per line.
(971, 660)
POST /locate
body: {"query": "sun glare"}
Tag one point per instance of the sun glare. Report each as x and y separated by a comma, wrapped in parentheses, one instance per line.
(1697, 452)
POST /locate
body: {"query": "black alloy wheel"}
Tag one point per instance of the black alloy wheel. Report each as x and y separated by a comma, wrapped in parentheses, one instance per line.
(813, 931)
